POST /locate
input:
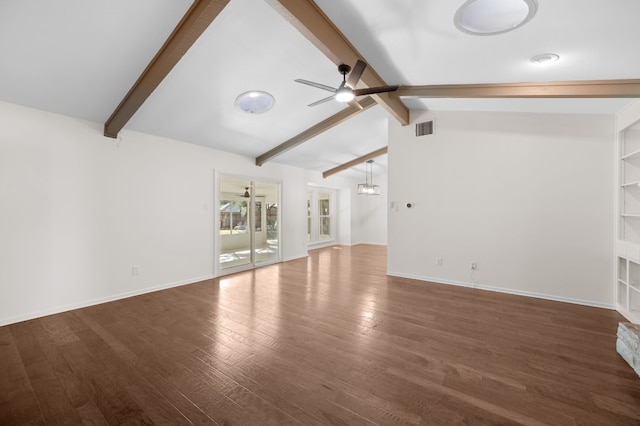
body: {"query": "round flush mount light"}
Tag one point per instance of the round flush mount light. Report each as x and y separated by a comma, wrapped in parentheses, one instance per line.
(255, 102)
(491, 17)
(545, 58)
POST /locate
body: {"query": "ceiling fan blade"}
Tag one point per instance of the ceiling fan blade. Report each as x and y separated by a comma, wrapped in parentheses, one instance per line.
(321, 101)
(374, 90)
(356, 73)
(317, 85)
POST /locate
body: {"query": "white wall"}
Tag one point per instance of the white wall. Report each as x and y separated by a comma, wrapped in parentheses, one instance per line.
(527, 196)
(78, 210)
(369, 224)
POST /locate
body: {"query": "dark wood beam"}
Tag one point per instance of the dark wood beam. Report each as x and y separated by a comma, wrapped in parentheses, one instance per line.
(552, 89)
(189, 29)
(359, 160)
(323, 126)
(309, 19)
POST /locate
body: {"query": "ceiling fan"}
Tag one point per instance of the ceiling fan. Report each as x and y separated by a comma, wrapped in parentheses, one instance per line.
(347, 92)
(246, 193)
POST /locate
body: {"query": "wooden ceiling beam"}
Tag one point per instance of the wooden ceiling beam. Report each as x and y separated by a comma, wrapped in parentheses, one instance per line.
(197, 19)
(552, 89)
(359, 160)
(309, 19)
(321, 127)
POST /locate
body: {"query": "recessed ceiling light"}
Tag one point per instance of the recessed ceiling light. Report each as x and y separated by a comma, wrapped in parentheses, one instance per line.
(545, 58)
(490, 17)
(255, 102)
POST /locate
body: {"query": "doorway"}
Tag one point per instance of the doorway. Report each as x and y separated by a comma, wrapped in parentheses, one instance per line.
(248, 223)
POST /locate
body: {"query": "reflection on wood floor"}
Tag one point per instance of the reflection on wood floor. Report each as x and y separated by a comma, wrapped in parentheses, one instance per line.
(328, 339)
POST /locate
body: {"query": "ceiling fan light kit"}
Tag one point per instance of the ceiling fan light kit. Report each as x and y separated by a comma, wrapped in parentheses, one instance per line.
(344, 94)
(492, 17)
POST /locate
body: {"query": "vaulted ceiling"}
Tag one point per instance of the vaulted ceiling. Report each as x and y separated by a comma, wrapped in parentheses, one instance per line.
(81, 58)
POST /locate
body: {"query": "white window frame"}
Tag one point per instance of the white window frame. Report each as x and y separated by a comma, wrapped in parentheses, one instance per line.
(313, 213)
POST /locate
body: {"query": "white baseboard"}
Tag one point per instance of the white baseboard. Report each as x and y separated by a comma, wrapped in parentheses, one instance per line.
(298, 256)
(505, 290)
(315, 246)
(368, 243)
(92, 302)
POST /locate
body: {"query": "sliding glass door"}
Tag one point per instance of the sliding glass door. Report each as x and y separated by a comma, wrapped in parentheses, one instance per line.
(249, 223)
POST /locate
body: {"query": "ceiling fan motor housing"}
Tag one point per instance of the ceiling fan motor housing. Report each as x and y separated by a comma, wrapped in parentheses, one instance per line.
(344, 69)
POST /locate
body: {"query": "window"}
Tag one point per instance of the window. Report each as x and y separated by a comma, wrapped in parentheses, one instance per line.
(320, 216)
(272, 220)
(258, 216)
(324, 215)
(233, 217)
(309, 217)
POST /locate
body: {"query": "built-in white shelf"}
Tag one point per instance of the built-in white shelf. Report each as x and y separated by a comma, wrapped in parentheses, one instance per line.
(631, 184)
(627, 282)
(634, 154)
(628, 288)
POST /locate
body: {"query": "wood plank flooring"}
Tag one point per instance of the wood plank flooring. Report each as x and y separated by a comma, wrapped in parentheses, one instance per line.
(325, 340)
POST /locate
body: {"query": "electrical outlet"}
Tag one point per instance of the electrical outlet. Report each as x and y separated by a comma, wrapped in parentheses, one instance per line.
(473, 266)
(135, 270)
(438, 261)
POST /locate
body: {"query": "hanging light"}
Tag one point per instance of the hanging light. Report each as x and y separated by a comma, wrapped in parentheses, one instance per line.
(368, 188)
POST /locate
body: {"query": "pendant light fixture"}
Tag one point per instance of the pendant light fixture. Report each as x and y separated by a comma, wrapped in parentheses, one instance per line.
(368, 188)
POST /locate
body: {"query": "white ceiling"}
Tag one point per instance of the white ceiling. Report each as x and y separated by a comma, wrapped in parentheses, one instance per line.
(80, 58)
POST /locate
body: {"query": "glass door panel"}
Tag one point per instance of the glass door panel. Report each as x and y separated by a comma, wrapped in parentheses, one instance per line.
(249, 231)
(235, 223)
(267, 239)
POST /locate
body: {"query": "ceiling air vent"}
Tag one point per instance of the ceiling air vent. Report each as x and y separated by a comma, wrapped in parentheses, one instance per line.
(424, 128)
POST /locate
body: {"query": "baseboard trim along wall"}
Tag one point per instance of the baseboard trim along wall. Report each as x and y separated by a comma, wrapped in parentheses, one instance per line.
(93, 302)
(298, 256)
(504, 290)
(85, 304)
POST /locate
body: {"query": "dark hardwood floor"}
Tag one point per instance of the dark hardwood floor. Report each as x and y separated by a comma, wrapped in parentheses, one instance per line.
(324, 340)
